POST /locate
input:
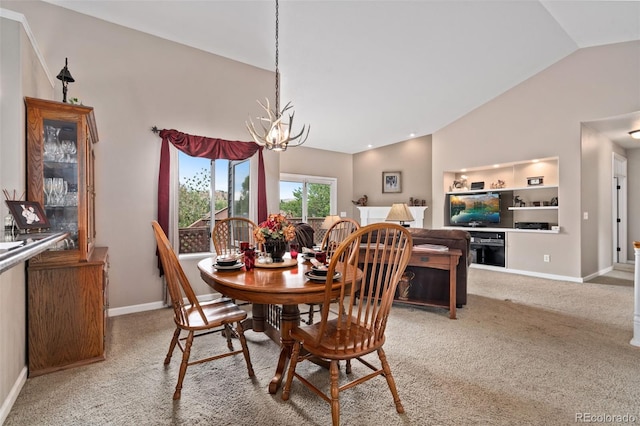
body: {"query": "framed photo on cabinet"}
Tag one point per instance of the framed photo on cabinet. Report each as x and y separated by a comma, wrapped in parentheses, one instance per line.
(391, 182)
(28, 214)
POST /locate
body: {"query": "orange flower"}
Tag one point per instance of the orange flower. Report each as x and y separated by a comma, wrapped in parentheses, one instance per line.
(276, 227)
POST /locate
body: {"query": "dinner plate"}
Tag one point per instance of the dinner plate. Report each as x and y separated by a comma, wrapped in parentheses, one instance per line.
(321, 278)
(229, 268)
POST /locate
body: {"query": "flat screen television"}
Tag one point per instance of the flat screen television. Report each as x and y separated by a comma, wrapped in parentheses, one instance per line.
(478, 209)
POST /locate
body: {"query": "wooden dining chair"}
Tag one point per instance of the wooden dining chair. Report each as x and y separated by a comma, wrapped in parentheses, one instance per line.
(228, 233)
(337, 233)
(192, 316)
(353, 327)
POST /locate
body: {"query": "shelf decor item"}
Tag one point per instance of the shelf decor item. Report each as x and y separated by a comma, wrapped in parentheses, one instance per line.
(28, 214)
(537, 180)
(65, 77)
(274, 233)
(391, 182)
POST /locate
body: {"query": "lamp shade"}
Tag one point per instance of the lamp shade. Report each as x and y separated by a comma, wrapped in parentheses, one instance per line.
(400, 213)
(65, 75)
(329, 220)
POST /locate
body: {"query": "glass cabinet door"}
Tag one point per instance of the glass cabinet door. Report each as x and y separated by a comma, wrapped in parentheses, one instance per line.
(60, 163)
(60, 178)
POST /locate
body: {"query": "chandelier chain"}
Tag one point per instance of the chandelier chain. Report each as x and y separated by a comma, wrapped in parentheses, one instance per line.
(276, 134)
(277, 69)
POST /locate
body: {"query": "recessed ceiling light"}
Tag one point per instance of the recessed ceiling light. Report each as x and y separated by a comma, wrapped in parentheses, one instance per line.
(412, 135)
(635, 134)
(369, 146)
(495, 166)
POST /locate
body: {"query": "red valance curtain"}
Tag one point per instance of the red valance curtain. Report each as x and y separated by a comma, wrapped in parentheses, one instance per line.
(212, 148)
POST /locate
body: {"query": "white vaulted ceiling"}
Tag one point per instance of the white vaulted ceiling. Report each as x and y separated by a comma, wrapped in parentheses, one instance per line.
(373, 72)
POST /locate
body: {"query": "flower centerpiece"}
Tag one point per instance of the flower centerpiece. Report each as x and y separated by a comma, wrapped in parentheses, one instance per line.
(273, 234)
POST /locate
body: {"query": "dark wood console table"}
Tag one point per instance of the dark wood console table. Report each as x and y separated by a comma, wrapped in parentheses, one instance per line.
(447, 260)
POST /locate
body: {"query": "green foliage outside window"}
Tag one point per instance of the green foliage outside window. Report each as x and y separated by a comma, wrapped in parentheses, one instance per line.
(194, 201)
(318, 201)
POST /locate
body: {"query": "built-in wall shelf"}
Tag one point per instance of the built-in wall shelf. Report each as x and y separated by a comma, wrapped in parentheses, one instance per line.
(522, 188)
(535, 208)
(528, 192)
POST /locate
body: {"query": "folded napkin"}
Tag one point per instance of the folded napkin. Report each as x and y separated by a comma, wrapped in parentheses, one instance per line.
(307, 250)
(317, 264)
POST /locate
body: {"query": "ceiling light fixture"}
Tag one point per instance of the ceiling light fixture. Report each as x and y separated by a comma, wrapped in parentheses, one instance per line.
(276, 134)
(635, 134)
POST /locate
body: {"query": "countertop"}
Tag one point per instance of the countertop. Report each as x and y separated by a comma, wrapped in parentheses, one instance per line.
(32, 245)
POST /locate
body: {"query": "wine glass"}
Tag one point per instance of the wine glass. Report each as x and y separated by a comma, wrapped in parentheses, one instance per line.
(293, 250)
(48, 191)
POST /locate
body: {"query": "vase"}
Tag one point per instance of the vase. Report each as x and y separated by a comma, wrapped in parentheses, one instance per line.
(276, 248)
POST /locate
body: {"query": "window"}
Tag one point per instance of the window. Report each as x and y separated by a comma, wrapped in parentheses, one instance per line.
(239, 187)
(308, 199)
(195, 200)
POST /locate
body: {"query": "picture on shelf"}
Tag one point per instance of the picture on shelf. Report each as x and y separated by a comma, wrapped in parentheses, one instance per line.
(28, 214)
(391, 182)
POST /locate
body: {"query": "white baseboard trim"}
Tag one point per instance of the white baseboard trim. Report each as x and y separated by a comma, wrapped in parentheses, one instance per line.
(528, 273)
(114, 312)
(7, 404)
(597, 274)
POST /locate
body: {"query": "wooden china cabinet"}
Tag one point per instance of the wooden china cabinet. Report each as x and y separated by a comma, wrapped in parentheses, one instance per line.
(66, 286)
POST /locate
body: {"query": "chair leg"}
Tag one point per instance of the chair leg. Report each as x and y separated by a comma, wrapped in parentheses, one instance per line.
(245, 348)
(172, 346)
(309, 321)
(183, 365)
(335, 393)
(390, 381)
(292, 369)
(348, 368)
(228, 333)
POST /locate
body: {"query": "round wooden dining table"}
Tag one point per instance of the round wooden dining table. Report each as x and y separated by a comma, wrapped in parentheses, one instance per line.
(266, 287)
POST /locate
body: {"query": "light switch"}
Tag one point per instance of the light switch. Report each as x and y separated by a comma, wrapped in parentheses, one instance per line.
(585, 215)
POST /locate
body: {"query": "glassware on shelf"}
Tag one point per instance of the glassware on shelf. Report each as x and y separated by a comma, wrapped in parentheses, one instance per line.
(69, 151)
(50, 143)
(48, 191)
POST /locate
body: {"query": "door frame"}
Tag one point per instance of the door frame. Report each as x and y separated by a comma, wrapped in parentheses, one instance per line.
(619, 207)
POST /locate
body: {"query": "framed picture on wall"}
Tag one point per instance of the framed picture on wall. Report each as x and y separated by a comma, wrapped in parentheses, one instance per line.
(28, 214)
(391, 182)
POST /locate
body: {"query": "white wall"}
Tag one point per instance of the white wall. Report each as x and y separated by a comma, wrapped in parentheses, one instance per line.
(597, 199)
(18, 57)
(318, 162)
(413, 158)
(633, 201)
(542, 117)
(135, 81)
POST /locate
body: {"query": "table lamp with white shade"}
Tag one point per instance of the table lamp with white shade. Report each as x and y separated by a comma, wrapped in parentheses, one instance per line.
(329, 221)
(400, 213)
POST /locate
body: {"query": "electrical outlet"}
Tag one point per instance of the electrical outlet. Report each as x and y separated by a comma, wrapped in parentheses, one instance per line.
(585, 215)
(546, 258)
(343, 214)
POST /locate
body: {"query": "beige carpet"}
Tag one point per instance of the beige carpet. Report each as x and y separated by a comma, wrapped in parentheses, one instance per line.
(524, 351)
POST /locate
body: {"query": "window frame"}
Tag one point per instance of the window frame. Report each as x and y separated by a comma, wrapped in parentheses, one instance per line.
(305, 180)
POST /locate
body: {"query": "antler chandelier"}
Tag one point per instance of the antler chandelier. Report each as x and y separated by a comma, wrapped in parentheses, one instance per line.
(276, 135)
